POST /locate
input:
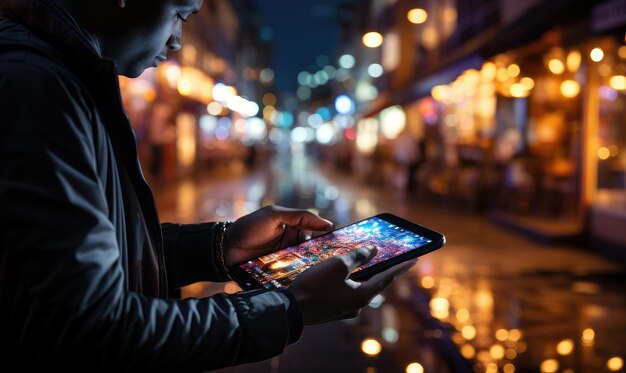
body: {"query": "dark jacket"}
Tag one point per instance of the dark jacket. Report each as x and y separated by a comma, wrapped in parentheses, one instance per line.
(87, 272)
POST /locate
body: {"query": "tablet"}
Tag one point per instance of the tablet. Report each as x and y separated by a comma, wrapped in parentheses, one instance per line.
(397, 240)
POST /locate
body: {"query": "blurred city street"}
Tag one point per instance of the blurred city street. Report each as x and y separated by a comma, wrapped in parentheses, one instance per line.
(491, 296)
(499, 123)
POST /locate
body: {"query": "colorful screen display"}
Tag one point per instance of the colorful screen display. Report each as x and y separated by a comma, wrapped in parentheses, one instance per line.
(279, 269)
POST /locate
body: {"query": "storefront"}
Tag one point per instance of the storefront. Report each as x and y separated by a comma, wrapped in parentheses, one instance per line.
(606, 160)
(540, 130)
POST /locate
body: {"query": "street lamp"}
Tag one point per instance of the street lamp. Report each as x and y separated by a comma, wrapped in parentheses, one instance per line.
(372, 39)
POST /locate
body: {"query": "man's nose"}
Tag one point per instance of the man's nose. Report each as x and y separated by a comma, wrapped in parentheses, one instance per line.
(174, 43)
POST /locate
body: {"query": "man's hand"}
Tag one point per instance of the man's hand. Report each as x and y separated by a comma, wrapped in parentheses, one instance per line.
(324, 292)
(267, 230)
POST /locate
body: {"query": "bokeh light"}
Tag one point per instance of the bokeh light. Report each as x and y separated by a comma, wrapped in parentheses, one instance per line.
(549, 366)
(615, 363)
(596, 54)
(502, 335)
(603, 153)
(417, 16)
(570, 88)
(588, 334)
(556, 66)
(468, 332)
(371, 347)
(372, 39)
(468, 351)
(565, 347)
(414, 368)
(428, 282)
(347, 61)
(618, 82)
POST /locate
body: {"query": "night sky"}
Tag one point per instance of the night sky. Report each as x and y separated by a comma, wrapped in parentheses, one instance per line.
(302, 31)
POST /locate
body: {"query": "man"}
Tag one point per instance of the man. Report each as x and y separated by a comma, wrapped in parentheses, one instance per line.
(88, 276)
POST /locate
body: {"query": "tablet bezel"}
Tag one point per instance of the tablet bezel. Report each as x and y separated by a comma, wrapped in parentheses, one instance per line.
(247, 282)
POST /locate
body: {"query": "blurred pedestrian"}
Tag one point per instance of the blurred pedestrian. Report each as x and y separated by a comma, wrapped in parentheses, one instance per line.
(88, 275)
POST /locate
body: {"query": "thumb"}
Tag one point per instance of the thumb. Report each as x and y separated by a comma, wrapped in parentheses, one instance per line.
(358, 257)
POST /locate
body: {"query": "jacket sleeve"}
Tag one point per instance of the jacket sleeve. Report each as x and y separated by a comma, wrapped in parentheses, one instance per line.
(190, 253)
(69, 303)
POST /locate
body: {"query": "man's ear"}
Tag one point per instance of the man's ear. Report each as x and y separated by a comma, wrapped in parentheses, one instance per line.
(121, 3)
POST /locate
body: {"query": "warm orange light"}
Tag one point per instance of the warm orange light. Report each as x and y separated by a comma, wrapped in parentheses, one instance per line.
(603, 153)
(515, 335)
(439, 304)
(596, 54)
(417, 16)
(528, 83)
(518, 90)
(556, 66)
(502, 74)
(621, 52)
(573, 61)
(414, 368)
(618, 82)
(565, 347)
(441, 92)
(510, 353)
(439, 308)
(588, 334)
(570, 88)
(428, 282)
(149, 95)
(372, 39)
(371, 347)
(502, 335)
(615, 363)
(172, 74)
(462, 315)
(468, 332)
(185, 86)
(549, 366)
(513, 70)
(488, 71)
(496, 352)
(468, 351)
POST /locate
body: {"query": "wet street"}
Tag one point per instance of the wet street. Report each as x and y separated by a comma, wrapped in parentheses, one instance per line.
(489, 301)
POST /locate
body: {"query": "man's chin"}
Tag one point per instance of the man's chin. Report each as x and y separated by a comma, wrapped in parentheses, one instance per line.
(132, 71)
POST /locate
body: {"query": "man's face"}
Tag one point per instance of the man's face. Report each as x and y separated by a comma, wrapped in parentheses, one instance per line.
(147, 30)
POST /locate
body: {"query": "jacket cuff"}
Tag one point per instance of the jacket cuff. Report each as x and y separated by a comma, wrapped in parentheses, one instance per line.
(190, 253)
(266, 321)
(296, 324)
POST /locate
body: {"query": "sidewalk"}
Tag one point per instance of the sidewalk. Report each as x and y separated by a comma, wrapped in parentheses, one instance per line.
(498, 298)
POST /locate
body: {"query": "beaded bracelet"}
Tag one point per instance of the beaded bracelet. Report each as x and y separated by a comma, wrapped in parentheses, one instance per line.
(219, 248)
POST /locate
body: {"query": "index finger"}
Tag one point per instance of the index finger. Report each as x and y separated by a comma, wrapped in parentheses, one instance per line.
(379, 282)
(301, 219)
